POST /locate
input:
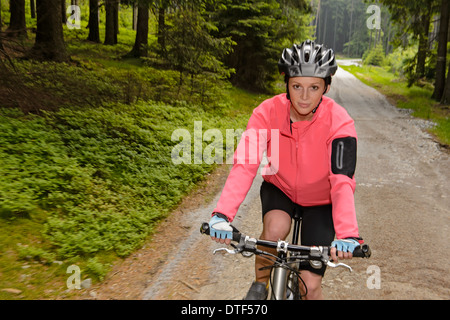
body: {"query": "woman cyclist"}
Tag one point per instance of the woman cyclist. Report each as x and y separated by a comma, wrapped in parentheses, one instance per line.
(311, 143)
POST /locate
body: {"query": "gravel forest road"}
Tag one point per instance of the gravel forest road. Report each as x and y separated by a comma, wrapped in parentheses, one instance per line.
(403, 207)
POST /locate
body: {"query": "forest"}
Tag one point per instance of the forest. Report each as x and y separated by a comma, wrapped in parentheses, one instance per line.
(239, 40)
(92, 90)
(411, 37)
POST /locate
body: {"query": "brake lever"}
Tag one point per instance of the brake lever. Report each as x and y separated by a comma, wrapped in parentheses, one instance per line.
(237, 249)
(325, 258)
(225, 249)
(335, 265)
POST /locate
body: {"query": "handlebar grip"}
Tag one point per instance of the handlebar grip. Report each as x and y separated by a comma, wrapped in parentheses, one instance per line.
(204, 229)
(362, 251)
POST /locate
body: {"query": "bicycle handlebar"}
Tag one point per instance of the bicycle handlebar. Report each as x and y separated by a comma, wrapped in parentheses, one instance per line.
(359, 252)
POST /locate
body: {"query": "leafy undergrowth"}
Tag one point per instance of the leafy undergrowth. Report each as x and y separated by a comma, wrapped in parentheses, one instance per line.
(86, 167)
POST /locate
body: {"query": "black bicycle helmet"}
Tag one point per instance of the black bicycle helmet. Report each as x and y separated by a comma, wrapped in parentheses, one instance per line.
(307, 60)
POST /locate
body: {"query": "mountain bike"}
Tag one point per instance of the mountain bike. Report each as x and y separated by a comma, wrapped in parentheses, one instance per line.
(285, 277)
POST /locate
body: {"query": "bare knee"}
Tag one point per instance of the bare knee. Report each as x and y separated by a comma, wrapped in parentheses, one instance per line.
(313, 284)
(277, 225)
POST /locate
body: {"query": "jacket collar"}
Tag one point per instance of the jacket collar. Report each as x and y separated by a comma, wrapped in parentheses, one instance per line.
(283, 114)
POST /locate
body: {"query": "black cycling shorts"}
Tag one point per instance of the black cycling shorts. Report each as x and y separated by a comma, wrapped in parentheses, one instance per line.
(317, 228)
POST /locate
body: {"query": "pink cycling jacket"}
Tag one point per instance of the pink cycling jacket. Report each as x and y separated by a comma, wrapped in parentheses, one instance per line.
(312, 162)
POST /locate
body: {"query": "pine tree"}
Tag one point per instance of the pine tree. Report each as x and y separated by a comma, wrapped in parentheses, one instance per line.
(252, 25)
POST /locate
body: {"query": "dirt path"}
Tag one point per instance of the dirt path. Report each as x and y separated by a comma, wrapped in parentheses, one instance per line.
(403, 207)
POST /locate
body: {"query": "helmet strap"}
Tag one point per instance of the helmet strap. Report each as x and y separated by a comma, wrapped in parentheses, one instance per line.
(315, 110)
(288, 95)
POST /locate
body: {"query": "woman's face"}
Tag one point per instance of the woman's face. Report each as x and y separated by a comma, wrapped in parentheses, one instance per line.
(305, 93)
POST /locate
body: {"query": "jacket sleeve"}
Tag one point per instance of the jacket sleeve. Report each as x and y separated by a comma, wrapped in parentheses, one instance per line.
(246, 161)
(342, 151)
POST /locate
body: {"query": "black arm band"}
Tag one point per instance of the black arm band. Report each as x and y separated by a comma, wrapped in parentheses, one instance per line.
(343, 156)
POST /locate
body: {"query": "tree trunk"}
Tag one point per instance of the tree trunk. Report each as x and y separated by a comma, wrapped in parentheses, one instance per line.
(442, 51)
(94, 32)
(63, 11)
(388, 40)
(1, 24)
(350, 33)
(140, 45)
(446, 95)
(116, 18)
(325, 27)
(33, 9)
(316, 27)
(17, 25)
(49, 43)
(135, 13)
(423, 42)
(162, 30)
(110, 28)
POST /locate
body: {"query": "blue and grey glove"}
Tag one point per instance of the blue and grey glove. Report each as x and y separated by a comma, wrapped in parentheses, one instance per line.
(345, 245)
(220, 228)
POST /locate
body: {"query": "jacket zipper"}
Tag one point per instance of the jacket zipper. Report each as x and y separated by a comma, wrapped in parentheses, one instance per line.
(296, 166)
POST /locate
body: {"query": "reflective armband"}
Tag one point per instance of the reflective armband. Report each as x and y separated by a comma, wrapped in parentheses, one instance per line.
(343, 156)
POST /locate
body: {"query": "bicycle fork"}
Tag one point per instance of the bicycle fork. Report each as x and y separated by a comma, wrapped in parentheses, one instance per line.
(285, 284)
(279, 283)
(281, 280)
